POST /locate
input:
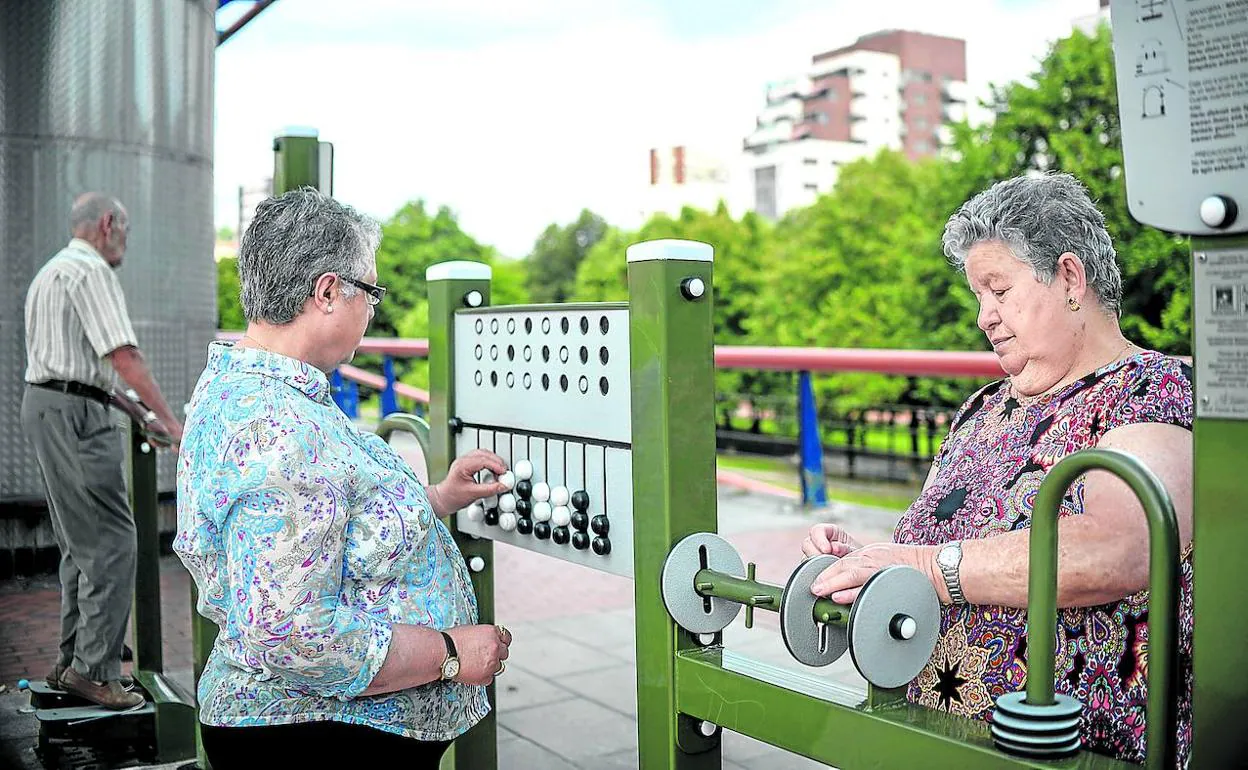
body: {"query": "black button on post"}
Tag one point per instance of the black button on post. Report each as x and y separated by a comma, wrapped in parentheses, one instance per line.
(491, 516)
(523, 507)
(580, 500)
(560, 536)
(542, 530)
(601, 525)
(580, 541)
(602, 546)
(524, 488)
(525, 525)
(580, 520)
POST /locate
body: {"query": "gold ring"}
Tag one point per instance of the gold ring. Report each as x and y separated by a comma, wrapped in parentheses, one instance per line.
(503, 633)
(502, 666)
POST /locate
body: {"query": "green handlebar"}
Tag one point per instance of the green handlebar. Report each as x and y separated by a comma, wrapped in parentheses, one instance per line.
(753, 593)
(408, 423)
(1163, 574)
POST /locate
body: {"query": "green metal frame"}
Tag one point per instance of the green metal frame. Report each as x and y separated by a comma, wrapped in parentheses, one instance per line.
(478, 748)
(407, 423)
(671, 355)
(1220, 529)
(175, 728)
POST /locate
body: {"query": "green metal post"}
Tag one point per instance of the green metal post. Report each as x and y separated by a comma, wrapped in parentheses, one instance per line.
(673, 421)
(449, 285)
(148, 655)
(1163, 578)
(297, 162)
(1220, 530)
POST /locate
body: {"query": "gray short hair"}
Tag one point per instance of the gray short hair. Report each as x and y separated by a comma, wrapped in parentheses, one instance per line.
(89, 208)
(1040, 217)
(293, 240)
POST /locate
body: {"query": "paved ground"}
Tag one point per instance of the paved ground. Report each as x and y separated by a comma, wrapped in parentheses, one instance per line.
(568, 699)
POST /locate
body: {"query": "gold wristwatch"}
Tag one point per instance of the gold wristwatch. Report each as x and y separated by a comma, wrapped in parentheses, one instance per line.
(450, 666)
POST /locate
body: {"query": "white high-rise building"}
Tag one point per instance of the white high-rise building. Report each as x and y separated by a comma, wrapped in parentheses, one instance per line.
(892, 89)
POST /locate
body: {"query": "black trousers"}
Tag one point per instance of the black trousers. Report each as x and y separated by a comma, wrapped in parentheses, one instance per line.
(315, 744)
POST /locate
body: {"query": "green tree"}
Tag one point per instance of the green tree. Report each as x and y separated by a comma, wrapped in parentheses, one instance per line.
(225, 233)
(229, 308)
(412, 240)
(558, 252)
(1067, 119)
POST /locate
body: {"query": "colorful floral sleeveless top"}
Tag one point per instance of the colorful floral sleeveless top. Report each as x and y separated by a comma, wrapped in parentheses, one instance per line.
(988, 472)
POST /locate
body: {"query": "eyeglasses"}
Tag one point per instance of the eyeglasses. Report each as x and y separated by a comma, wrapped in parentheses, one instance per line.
(375, 293)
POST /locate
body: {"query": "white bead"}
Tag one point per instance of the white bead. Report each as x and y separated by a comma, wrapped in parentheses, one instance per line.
(559, 496)
(541, 491)
(476, 512)
(476, 564)
(561, 516)
(524, 470)
(541, 511)
(508, 479)
(507, 503)
(507, 522)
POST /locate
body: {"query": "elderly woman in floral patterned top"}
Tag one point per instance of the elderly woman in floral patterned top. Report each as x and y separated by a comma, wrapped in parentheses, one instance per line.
(348, 625)
(1039, 260)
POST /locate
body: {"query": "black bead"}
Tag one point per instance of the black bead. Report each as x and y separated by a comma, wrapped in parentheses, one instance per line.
(601, 525)
(542, 530)
(524, 525)
(580, 500)
(491, 516)
(523, 507)
(602, 546)
(580, 520)
(560, 536)
(524, 488)
(580, 541)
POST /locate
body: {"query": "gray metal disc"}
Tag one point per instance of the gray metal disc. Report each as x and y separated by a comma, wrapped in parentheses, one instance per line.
(811, 643)
(882, 659)
(683, 603)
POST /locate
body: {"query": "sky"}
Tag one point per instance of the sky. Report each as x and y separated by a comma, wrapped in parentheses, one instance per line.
(519, 114)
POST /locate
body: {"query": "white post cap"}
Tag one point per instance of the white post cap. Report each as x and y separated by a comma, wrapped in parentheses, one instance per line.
(671, 249)
(305, 131)
(458, 270)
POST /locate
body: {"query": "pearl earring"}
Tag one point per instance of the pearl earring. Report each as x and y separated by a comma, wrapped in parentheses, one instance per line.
(329, 309)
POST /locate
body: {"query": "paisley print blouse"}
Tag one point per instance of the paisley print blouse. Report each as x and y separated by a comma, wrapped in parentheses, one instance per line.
(307, 539)
(988, 472)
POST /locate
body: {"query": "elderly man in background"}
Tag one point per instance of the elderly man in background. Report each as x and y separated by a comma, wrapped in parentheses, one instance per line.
(76, 321)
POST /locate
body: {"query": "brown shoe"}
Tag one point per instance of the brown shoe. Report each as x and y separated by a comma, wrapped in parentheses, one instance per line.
(53, 679)
(110, 695)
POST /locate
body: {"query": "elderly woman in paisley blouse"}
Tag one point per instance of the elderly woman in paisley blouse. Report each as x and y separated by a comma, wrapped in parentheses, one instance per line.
(348, 625)
(1037, 256)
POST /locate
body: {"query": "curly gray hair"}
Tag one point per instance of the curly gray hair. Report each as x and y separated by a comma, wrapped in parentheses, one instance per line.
(1040, 217)
(293, 240)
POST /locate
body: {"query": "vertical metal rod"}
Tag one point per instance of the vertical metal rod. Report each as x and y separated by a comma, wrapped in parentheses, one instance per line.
(478, 748)
(1163, 577)
(148, 655)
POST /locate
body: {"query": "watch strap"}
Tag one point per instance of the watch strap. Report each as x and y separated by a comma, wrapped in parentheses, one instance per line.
(951, 572)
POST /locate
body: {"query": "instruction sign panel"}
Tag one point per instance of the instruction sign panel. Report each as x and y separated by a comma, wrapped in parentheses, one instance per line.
(1182, 71)
(1221, 334)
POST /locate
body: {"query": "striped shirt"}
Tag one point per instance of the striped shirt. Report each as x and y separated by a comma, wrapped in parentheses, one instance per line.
(75, 316)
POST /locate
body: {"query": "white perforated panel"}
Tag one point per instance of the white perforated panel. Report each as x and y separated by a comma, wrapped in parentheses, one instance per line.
(559, 370)
(516, 395)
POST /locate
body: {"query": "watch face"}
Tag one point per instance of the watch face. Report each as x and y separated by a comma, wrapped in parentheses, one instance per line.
(947, 557)
(450, 669)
